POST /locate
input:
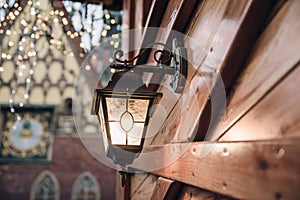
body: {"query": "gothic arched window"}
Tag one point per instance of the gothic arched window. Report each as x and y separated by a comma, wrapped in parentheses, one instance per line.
(45, 187)
(85, 187)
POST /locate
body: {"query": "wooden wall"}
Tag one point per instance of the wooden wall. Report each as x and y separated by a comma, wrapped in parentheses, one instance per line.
(254, 46)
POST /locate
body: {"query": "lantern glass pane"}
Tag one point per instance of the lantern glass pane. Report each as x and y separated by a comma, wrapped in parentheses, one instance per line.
(136, 133)
(102, 126)
(115, 108)
(118, 136)
(138, 108)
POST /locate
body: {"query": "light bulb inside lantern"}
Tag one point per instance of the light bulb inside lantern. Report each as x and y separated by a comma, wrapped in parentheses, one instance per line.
(126, 121)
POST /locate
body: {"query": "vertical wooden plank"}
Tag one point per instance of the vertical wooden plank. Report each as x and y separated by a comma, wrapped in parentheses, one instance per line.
(119, 190)
(142, 186)
(274, 56)
(202, 28)
(128, 19)
(240, 29)
(127, 187)
(161, 188)
(142, 8)
(276, 116)
(176, 18)
(154, 19)
(192, 193)
(166, 189)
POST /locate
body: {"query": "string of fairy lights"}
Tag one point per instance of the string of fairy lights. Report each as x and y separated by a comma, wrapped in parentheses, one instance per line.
(38, 24)
(92, 24)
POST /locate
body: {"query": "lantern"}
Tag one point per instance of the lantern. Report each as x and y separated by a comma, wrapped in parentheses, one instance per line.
(123, 109)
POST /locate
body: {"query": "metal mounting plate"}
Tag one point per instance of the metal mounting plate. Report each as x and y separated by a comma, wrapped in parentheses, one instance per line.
(180, 64)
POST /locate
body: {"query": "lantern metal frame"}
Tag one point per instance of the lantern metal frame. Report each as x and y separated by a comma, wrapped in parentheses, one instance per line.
(132, 87)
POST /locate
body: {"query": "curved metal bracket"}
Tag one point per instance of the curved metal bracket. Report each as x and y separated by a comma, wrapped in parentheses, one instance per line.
(177, 69)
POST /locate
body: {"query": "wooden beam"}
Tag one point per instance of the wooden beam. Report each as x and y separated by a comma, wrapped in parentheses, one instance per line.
(229, 61)
(245, 170)
(142, 185)
(225, 44)
(176, 18)
(166, 189)
(277, 115)
(189, 192)
(154, 19)
(127, 187)
(275, 55)
(161, 188)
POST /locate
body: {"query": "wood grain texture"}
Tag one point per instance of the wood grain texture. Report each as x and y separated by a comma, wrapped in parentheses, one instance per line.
(228, 33)
(142, 186)
(154, 19)
(242, 24)
(192, 193)
(119, 190)
(166, 189)
(176, 105)
(244, 170)
(277, 115)
(274, 56)
(161, 188)
(173, 23)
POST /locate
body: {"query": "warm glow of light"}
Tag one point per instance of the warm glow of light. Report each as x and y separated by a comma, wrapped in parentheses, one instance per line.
(104, 33)
(116, 45)
(64, 21)
(113, 21)
(107, 16)
(117, 135)
(115, 36)
(87, 67)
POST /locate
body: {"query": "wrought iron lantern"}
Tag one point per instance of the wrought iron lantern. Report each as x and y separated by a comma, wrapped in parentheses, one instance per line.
(124, 105)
